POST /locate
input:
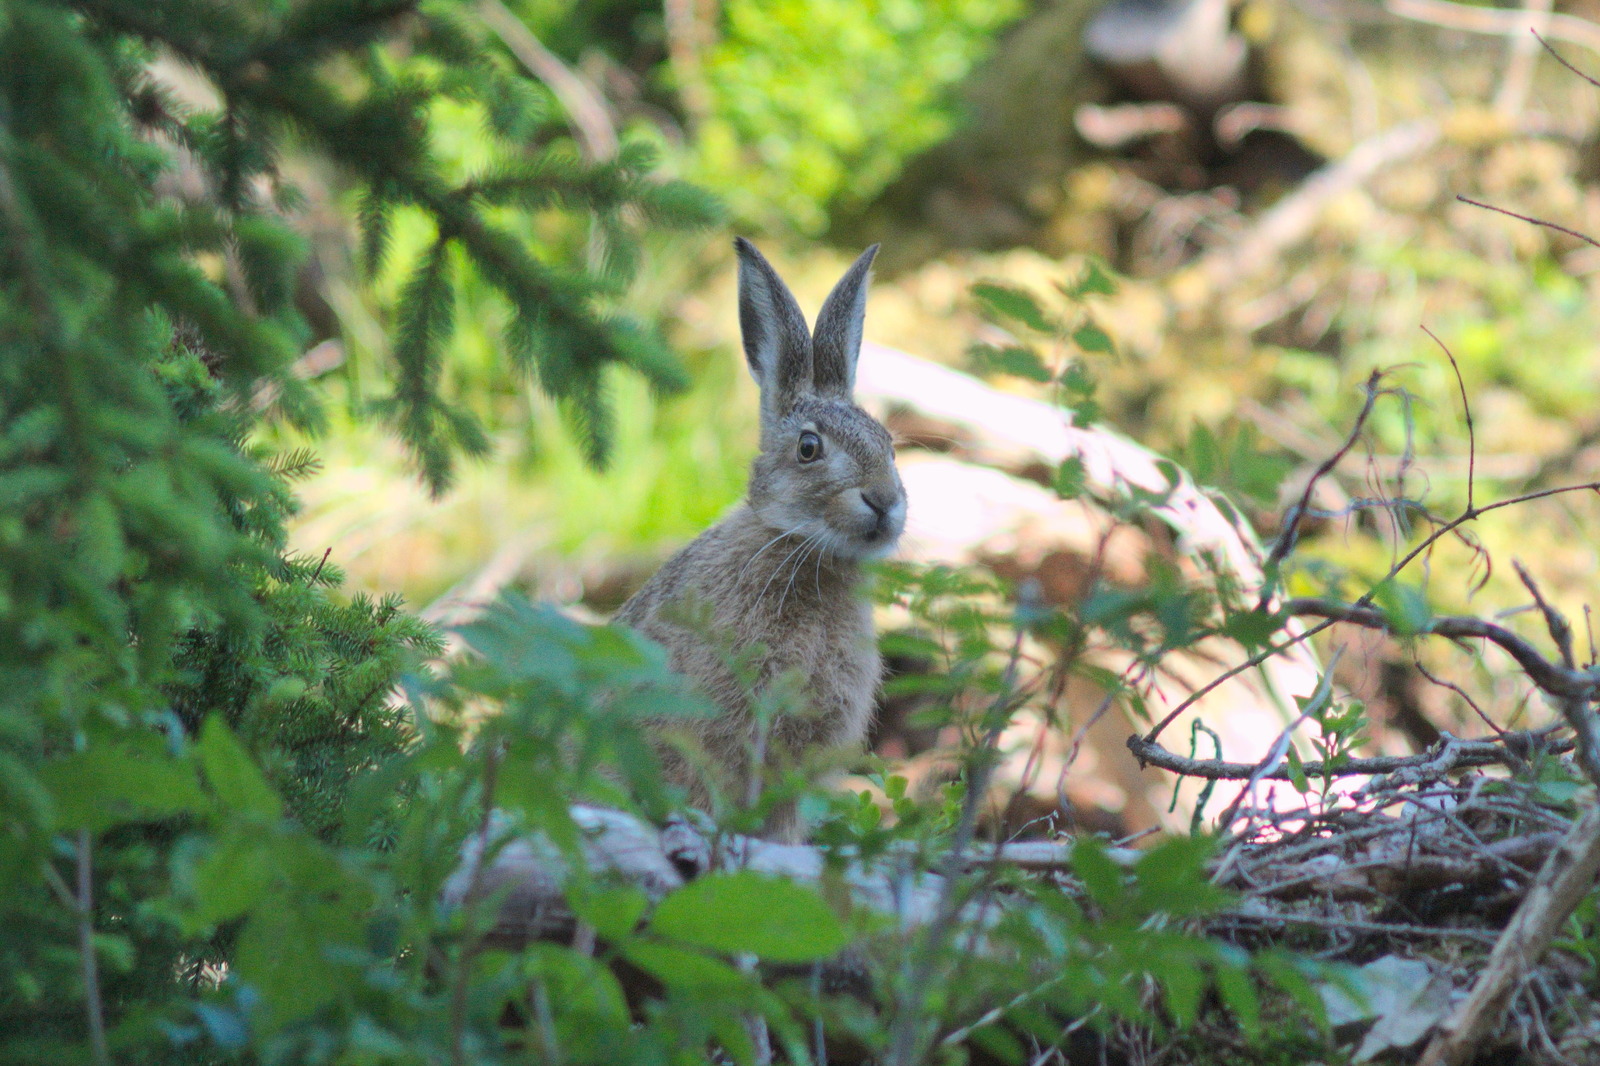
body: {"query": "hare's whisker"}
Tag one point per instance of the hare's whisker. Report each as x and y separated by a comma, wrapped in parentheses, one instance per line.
(764, 547)
(779, 568)
(793, 573)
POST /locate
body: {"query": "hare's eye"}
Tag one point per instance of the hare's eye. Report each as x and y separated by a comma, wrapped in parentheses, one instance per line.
(810, 447)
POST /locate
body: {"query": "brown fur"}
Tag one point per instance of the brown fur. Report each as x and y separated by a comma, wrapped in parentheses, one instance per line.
(783, 570)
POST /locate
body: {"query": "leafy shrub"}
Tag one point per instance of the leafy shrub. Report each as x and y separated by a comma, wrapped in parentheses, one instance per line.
(816, 103)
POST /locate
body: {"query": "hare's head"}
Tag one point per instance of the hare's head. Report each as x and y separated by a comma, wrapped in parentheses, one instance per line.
(826, 468)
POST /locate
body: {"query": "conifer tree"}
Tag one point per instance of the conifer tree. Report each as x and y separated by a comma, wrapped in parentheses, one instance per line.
(147, 281)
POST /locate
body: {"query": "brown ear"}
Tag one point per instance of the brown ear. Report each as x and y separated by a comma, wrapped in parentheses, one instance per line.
(777, 344)
(837, 343)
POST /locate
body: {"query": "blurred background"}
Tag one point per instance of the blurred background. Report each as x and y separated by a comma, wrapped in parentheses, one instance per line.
(1273, 183)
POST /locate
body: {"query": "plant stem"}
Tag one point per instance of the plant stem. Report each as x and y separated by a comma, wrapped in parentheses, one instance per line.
(91, 970)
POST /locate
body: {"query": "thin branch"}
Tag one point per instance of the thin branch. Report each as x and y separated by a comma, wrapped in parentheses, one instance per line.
(1286, 540)
(1559, 58)
(1466, 411)
(1447, 756)
(1529, 218)
(93, 1003)
(1229, 674)
(1278, 752)
(1560, 629)
(1554, 679)
(1291, 218)
(1459, 691)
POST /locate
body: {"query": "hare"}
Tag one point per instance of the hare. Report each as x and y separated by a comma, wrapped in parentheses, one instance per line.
(782, 571)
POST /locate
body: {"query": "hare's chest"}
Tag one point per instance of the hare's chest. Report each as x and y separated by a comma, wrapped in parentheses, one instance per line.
(842, 669)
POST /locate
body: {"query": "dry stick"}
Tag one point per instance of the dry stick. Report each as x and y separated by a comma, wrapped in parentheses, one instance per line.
(91, 969)
(1227, 675)
(1500, 23)
(1292, 217)
(1448, 755)
(1557, 680)
(1567, 876)
(1278, 752)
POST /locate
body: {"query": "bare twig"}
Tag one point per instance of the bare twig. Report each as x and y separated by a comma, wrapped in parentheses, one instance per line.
(1232, 672)
(1566, 878)
(1459, 691)
(1291, 521)
(1555, 622)
(1554, 679)
(1559, 58)
(1428, 932)
(1276, 755)
(1529, 218)
(1466, 412)
(1448, 755)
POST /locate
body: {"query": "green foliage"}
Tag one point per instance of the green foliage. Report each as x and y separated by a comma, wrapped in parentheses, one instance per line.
(819, 104)
(200, 757)
(1053, 346)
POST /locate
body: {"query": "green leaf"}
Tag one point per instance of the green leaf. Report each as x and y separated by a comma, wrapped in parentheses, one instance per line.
(613, 912)
(233, 774)
(237, 873)
(1252, 629)
(682, 969)
(1091, 338)
(1015, 304)
(1102, 877)
(1239, 994)
(747, 912)
(1171, 878)
(1296, 769)
(113, 783)
(1012, 359)
(1071, 478)
(1094, 281)
(1403, 606)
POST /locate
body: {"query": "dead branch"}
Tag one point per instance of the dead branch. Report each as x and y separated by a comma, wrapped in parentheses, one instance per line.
(1448, 756)
(1556, 680)
(1568, 875)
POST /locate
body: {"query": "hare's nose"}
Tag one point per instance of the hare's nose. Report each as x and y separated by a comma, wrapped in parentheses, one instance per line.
(880, 503)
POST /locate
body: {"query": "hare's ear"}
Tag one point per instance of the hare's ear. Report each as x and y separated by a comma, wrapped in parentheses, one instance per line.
(777, 344)
(837, 341)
